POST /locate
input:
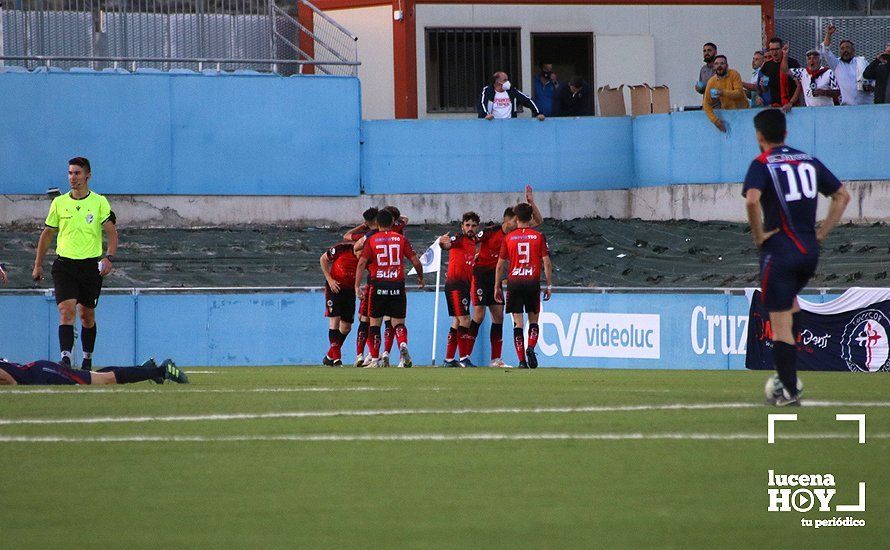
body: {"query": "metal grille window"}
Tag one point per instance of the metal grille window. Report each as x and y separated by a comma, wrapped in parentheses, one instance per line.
(869, 34)
(460, 61)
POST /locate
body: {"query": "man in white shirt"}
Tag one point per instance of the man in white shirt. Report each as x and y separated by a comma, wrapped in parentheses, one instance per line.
(818, 83)
(500, 100)
(848, 69)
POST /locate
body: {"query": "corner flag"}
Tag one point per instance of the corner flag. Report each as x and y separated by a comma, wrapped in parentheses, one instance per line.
(431, 259)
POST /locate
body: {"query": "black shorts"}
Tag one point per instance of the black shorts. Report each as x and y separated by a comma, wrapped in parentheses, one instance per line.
(523, 297)
(458, 297)
(483, 288)
(783, 275)
(77, 279)
(340, 304)
(387, 299)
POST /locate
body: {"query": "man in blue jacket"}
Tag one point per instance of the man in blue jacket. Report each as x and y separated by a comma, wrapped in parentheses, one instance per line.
(547, 88)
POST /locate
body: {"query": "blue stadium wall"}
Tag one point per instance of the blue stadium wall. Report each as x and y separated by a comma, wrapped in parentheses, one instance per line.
(615, 330)
(170, 134)
(181, 134)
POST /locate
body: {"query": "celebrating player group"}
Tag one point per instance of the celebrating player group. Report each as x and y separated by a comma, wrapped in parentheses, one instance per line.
(479, 262)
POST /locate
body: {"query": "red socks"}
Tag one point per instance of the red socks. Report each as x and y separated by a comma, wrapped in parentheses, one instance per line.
(401, 335)
(497, 340)
(388, 334)
(519, 343)
(533, 335)
(451, 349)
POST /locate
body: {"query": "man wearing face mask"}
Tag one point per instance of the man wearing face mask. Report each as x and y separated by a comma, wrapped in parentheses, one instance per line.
(547, 88)
(499, 100)
(855, 89)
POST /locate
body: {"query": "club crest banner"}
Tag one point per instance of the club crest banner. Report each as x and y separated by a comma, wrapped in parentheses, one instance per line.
(851, 335)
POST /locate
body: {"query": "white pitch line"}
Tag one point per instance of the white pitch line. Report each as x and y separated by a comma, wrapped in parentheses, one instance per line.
(399, 412)
(421, 437)
(88, 391)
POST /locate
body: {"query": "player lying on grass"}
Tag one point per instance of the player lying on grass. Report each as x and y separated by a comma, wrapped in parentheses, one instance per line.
(383, 256)
(526, 252)
(48, 373)
(338, 265)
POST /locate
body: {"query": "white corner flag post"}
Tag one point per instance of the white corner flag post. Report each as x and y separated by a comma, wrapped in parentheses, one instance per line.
(432, 261)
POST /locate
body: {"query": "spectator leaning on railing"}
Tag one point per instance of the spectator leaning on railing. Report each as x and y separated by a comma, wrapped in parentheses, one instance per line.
(848, 70)
(499, 99)
(723, 91)
(819, 86)
(879, 71)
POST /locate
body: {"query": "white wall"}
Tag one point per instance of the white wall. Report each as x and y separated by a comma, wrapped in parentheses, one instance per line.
(678, 32)
(373, 26)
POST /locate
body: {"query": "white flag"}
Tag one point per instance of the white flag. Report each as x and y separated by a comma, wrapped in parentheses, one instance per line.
(431, 259)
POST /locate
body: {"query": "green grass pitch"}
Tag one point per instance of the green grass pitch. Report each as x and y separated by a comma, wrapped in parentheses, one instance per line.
(435, 458)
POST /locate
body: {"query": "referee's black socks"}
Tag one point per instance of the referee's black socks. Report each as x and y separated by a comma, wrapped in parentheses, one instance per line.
(785, 358)
(88, 342)
(66, 341)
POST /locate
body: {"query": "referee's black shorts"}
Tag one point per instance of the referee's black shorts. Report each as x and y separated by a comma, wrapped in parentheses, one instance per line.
(77, 280)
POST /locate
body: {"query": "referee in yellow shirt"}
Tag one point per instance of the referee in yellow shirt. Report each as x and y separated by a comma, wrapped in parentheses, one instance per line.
(79, 217)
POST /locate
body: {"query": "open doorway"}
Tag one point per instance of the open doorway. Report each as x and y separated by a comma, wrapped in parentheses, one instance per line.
(571, 54)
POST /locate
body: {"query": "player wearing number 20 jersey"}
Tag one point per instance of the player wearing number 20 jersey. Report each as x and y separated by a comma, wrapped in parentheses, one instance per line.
(383, 255)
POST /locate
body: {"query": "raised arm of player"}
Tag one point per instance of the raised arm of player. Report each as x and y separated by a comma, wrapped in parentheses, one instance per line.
(537, 218)
(839, 201)
(46, 237)
(359, 271)
(111, 230)
(499, 272)
(363, 228)
(326, 270)
(548, 278)
(445, 241)
(359, 245)
(755, 217)
(3, 278)
(415, 261)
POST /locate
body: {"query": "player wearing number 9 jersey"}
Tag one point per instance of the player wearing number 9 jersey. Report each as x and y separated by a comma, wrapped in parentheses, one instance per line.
(780, 191)
(383, 255)
(526, 251)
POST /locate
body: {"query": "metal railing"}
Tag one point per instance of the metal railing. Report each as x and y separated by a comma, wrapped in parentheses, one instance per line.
(869, 33)
(178, 34)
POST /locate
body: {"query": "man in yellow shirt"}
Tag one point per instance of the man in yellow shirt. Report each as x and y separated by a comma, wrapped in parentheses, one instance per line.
(723, 91)
(79, 217)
